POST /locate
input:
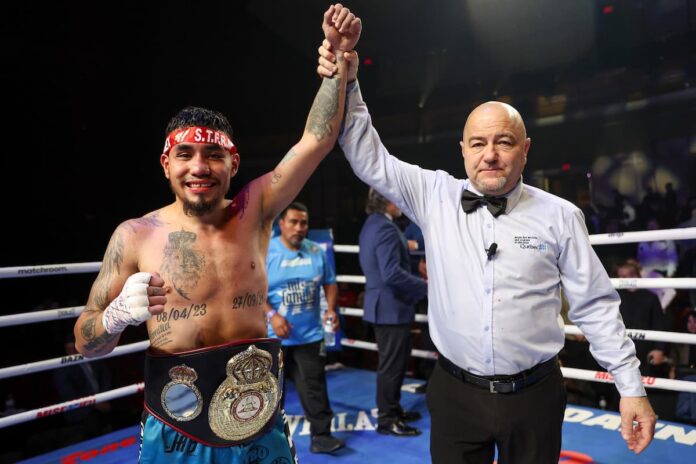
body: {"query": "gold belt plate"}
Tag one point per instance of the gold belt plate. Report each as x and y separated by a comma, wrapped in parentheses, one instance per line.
(247, 399)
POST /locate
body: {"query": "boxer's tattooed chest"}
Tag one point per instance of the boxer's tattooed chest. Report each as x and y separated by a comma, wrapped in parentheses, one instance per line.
(183, 262)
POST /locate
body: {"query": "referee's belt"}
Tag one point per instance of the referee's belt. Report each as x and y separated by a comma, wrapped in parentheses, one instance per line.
(501, 383)
(223, 395)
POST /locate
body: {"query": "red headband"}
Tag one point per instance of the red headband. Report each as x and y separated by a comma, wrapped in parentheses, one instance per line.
(197, 134)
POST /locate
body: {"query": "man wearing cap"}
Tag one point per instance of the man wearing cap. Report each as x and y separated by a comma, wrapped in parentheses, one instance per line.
(195, 272)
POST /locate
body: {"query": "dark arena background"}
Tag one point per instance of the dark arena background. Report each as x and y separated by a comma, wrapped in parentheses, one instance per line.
(607, 90)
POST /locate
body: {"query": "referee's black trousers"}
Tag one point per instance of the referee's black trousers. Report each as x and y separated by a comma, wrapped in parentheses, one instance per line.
(468, 422)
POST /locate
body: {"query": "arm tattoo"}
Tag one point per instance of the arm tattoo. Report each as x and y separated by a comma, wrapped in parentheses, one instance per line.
(94, 342)
(288, 156)
(241, 202)
(110, 266)
(324, 108)
(150, 220)
(182, 263)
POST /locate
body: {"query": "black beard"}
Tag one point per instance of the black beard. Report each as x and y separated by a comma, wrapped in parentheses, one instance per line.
(198, 209)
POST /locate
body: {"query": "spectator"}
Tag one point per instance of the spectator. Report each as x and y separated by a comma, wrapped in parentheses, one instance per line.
(686, 402)
(391, 292)
(297, 270)
(641, 310)
(80, 380)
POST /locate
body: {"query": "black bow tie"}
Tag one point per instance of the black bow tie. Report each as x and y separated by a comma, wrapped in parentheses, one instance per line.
(471, 201)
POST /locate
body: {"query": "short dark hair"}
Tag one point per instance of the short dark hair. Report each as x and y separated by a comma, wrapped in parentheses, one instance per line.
(295, 205)
(630, 263)
(376, 202)
(196, 116)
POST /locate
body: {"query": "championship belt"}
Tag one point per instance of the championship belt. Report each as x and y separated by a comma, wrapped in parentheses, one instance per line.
(225, 395)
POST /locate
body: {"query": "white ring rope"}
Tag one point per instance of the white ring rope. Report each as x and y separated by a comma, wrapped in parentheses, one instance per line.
(686, 233)
(635, 334)
(69, 360)
(569, 372)
(40, 316)
(70, 405)
(48, 269)
(649, 282)
(674, 282)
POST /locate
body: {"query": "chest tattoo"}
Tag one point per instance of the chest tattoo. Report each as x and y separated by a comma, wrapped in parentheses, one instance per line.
(182, 263)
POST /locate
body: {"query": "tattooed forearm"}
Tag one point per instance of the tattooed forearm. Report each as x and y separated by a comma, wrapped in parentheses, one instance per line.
(182, 263)
(288, 156)
(96, 343)
(324, 108)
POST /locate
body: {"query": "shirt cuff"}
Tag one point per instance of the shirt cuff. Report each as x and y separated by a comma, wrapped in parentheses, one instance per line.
(629, 383)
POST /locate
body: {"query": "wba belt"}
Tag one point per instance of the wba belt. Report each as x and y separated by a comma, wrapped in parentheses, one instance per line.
(224, 395)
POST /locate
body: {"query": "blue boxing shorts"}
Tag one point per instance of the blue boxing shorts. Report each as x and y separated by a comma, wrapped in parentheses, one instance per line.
(160, 444)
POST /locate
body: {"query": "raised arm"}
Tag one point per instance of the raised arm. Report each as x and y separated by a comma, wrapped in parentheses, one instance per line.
(321, 131)
(120, 296)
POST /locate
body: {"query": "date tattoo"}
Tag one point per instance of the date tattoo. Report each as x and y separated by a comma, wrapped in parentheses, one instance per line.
(174, 314)
(248, 300)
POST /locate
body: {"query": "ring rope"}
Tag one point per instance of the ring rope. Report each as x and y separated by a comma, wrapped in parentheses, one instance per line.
(48, 269)
(683, 283)
(580, 374)
(40, 316)
(686, 233)
(70, 405)
(635, 334)
(71, 360)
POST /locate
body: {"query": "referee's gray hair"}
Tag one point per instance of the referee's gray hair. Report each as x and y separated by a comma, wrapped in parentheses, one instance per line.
(376, 203)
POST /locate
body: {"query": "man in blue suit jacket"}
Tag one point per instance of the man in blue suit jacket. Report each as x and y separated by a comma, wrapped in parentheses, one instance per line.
(391, 292)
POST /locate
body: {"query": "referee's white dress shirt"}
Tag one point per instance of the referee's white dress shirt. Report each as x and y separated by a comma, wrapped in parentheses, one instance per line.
(498, 316)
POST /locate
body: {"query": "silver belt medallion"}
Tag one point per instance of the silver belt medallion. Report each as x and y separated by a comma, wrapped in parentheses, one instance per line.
(247, 399)
(180, 398)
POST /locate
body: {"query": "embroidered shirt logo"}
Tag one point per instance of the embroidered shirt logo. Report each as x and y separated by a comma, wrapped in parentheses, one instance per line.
(527, 242)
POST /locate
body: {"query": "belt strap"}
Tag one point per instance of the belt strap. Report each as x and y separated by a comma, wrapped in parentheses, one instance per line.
(501, 384)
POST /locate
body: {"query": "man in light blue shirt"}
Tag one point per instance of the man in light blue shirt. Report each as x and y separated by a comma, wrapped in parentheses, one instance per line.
(297, 271)
(499, 252)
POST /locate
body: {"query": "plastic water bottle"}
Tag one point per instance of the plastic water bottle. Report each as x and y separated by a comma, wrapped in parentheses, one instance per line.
(329, 334)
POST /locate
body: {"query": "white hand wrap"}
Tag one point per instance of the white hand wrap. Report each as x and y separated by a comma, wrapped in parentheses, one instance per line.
(130, 306)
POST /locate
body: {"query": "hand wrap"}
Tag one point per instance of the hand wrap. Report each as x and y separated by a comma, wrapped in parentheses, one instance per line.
(130, 306)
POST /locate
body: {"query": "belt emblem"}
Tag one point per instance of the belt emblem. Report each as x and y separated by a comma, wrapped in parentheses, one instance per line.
(180, 398)
(247, 398)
